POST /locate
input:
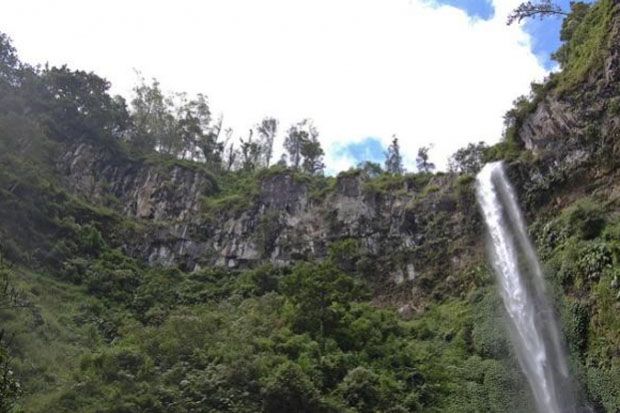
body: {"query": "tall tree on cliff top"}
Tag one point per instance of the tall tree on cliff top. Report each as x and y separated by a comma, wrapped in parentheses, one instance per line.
(468, 160)
(250, 151)
(302, 144)
(293, 142)
(230, 152)
(312, 154)
(423, 162)
(154, 125)
(210, 145)
(393, 158)
(193, 118)
(79, 106)
(267, 130)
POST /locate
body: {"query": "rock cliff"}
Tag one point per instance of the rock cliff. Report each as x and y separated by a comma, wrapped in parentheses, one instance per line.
(571, 120)
(402, 229)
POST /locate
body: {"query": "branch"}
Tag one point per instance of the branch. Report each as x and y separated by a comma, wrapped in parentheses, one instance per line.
(528, 9)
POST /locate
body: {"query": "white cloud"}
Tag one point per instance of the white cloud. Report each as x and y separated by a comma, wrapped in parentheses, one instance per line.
(357, 67)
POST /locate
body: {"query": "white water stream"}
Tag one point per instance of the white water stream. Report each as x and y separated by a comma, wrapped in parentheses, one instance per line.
(534, 330)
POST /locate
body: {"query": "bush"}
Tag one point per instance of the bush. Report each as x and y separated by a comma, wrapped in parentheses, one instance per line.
(585, 218)
(489, 333)
(361, 389)
(604, 387)
(595, 258)
(288, 389)
(345, 254)
(90, 240)
(119, 364)
(113, 276)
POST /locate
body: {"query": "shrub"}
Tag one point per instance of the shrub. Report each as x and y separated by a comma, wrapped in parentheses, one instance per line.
(585, 218)
(604, 387)
(90, 240)
(288, 389)
(489, 333)
(345, 254)
(361, 389)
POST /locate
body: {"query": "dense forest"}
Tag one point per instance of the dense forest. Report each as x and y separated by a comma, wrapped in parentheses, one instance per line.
(151, 261)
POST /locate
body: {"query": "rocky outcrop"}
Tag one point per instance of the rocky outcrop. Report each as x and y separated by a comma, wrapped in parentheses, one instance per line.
(155, 191)
(574, 131)
(568, 120)
(401, 231)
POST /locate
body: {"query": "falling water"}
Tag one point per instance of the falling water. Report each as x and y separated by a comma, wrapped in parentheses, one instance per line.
(534, 331)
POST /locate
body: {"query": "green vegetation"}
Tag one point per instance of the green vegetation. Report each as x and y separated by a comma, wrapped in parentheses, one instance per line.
(398, 183)
(10, 388)
(393, 158)
(469, 160)
(581, 247)
(585, 34)
(259, 340)
(88, 327)
(422, 161)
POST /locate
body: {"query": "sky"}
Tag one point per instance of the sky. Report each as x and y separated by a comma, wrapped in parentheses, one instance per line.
(438, 73)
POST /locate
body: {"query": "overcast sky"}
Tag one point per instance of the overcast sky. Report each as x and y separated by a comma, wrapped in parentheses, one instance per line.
(440, 73)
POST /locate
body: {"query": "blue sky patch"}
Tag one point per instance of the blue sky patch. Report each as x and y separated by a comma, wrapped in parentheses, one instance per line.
(482, 9)
(545, 38)
(370, 149)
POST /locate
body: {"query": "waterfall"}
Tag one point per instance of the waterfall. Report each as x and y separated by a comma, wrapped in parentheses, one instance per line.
(533, 328)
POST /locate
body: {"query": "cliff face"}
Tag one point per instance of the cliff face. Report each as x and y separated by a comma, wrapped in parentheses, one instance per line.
(402, 230)
(570, 121)
(140, 190)
(572, 132)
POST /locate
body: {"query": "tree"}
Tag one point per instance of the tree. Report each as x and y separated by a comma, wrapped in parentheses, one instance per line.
(153, 122)
(289, 389)
(267, 130)
(9, 62)
(422, 160)
(468, 160)
(293, 142)
(302, 144)
(193, 120)
(312, 153)
(230, 153)
(250, 153)
(211, 147)
(320, 295)
(79, 106)
(528, 9)
(361, 389)
(393, 158)
(175, 124)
